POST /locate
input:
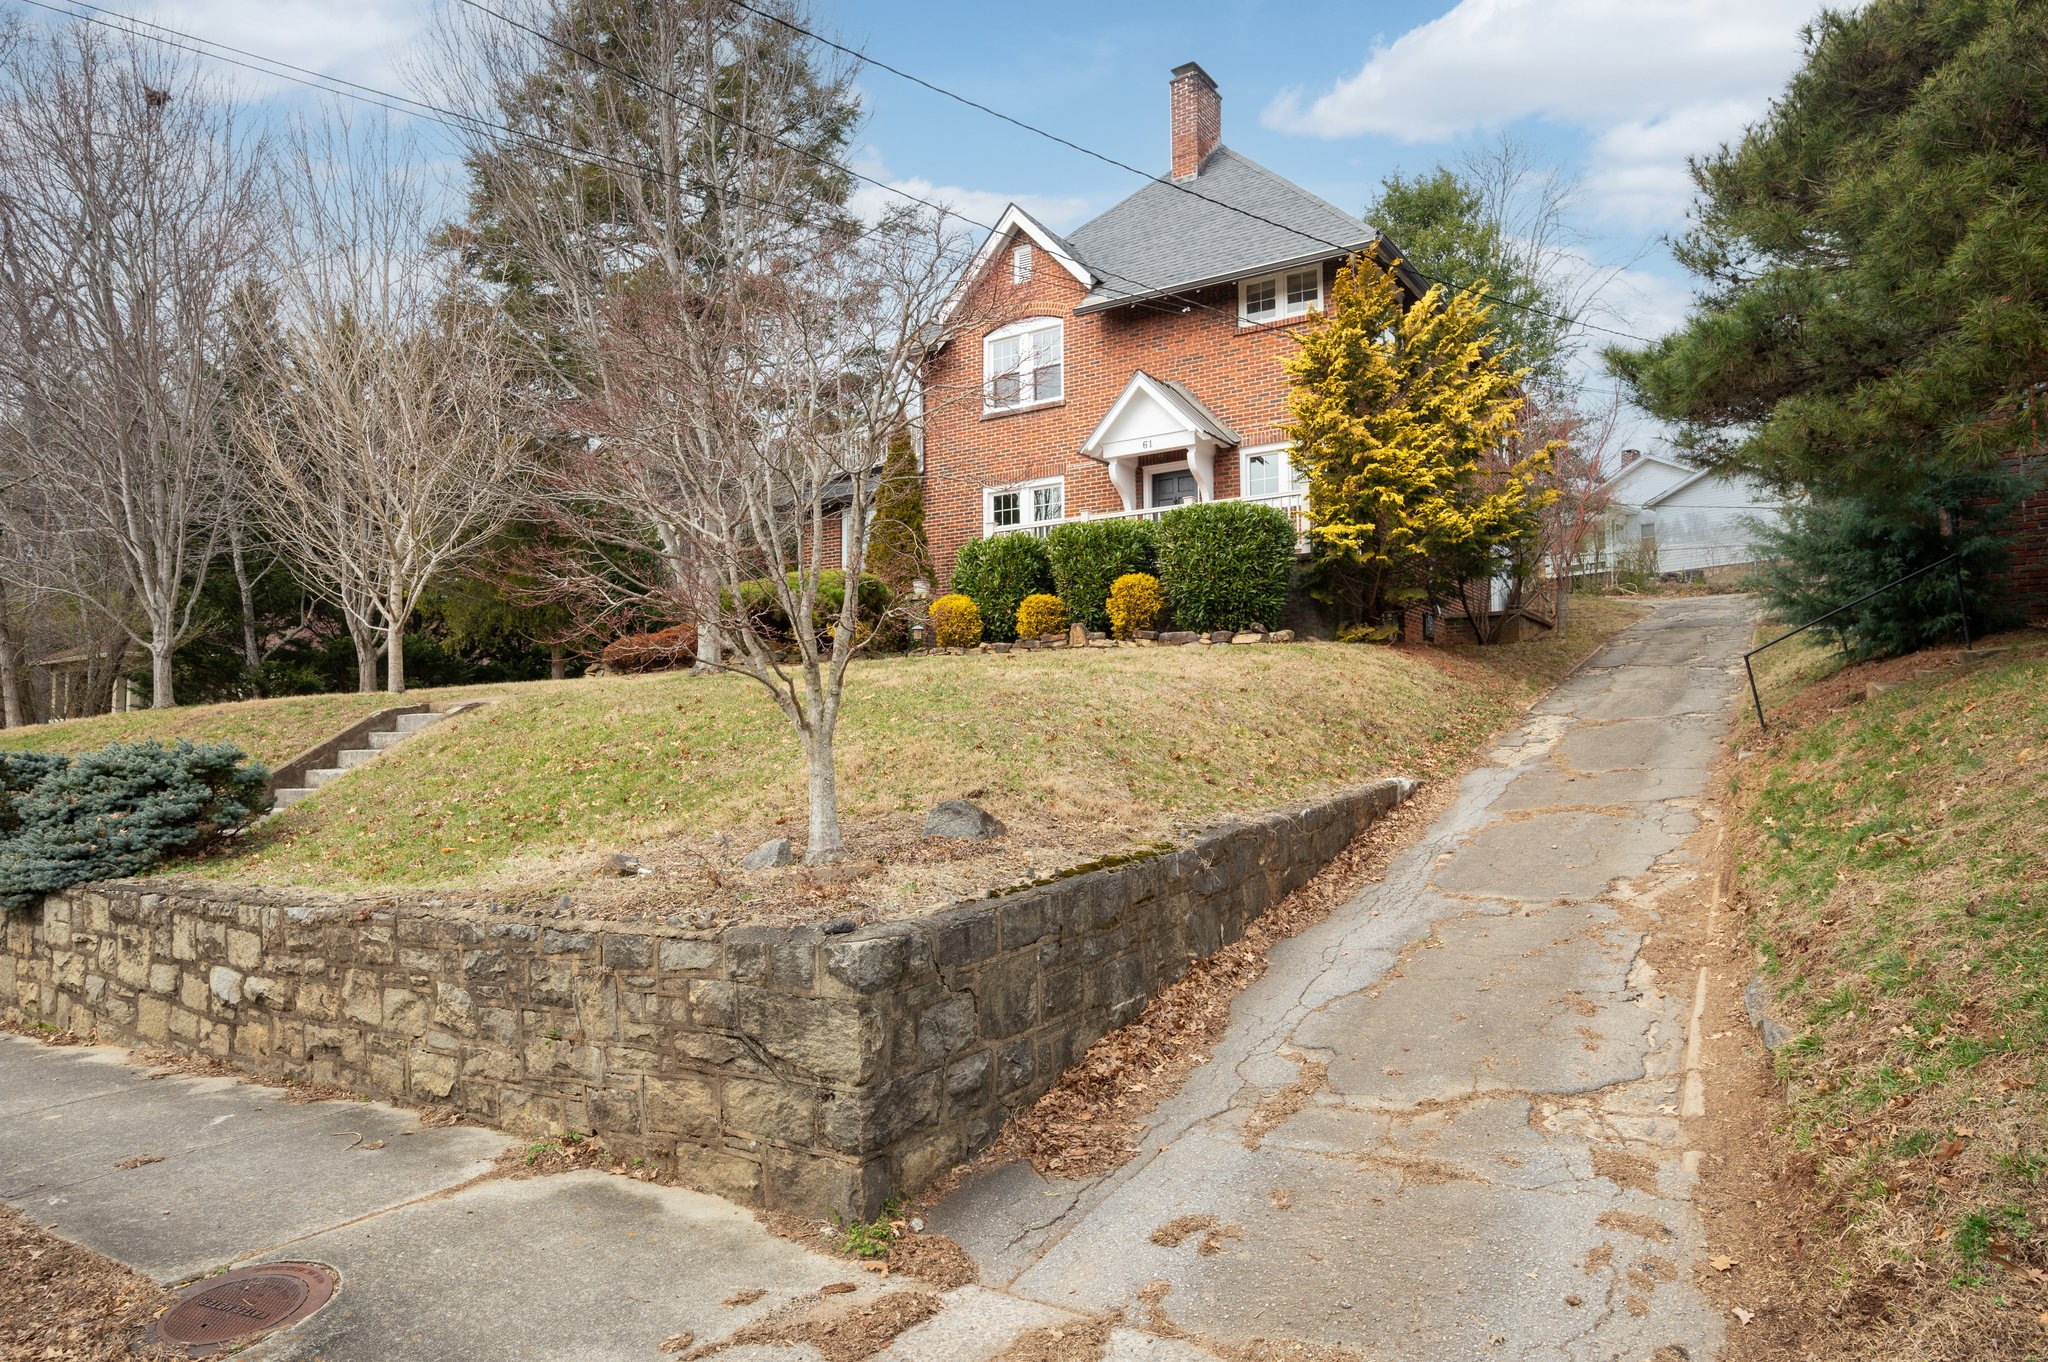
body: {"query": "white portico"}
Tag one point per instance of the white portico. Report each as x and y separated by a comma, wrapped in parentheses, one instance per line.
(1154, 417)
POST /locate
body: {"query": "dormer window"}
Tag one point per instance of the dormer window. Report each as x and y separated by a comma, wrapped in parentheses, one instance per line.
(1022, 365)
(1277, 297)
(1020, 263)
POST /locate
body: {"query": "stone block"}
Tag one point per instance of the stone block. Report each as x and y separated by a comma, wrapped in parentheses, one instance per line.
(870, 1121)
(947, 1027)
(868, 963)
(720, 1172)
(967, 1082)
(163, 978)
(406, 1012)
(682, 1106)
(245, 949)
(153, 1019)
(965, 937)
(815, 1184)
(1016, 1066)
(689, 956)
(1007, 996)
(835, 1041)
(615, 1109)
(771, 1111)
(627, 952)
(225, 984)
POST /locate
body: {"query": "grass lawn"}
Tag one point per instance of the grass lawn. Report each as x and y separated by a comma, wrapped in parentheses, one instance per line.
(1082, 754)
(1895, 855)
(271, 731)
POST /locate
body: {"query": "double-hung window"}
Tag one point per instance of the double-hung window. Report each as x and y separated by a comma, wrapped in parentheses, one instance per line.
(1276, 297)
(1023, 365)
(1033, 506)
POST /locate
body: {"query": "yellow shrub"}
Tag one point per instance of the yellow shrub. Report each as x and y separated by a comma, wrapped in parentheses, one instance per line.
(1135, 602)
(956, 622)
(1041, 614)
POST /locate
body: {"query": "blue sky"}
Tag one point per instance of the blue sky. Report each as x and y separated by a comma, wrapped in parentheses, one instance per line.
(1332, 95)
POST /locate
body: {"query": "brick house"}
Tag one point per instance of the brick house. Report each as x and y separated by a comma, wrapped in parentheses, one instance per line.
(1135, 363)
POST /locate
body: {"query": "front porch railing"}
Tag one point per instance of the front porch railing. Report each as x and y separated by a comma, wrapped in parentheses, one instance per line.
(1294, 503)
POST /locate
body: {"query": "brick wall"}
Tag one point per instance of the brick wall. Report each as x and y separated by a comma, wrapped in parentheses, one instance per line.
(2027, 580)
(1235, 370)
(779, 1067)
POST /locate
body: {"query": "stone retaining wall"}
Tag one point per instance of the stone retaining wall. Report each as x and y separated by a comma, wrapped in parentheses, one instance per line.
(777, 1066)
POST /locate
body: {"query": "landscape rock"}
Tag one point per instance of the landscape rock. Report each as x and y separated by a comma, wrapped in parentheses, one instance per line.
(1219, 636)
(619, 863)
(959, 819)
(1077, 636)
(838, 926)
(1280, 636)
(1756, 1000)
(1247, 637)
(1178, 636)
(769, 855)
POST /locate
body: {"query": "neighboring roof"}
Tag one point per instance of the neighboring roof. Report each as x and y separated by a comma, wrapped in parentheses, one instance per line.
(1640, 462)
(1171, 395)
(1164, 239)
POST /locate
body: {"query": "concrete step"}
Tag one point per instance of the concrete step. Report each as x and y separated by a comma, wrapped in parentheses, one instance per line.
(385, 741)
(358, 756)
(288, 797)
(408, 724)
(324, 775)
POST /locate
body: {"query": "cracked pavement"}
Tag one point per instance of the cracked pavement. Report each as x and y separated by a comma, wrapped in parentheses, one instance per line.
(1447, 1122)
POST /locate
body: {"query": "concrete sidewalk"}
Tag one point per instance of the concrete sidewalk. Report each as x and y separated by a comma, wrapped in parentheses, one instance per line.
(1445, 1125)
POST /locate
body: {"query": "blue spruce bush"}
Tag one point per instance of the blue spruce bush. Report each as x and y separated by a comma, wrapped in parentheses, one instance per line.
(119, 811)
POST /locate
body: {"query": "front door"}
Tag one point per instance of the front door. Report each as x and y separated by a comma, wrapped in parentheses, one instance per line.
(1173, 488)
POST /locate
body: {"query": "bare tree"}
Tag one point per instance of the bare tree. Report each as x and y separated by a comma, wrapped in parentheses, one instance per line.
(737, 354)
(1581, 441)
(381, 443)
(127, 215)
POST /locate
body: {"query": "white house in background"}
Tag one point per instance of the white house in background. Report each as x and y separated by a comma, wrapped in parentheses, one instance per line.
(1694, 517)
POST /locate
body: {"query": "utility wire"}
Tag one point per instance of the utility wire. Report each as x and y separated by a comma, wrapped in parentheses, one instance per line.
(1169, 182)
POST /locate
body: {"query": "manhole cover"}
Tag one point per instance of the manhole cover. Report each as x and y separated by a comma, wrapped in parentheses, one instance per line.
(208, 1316)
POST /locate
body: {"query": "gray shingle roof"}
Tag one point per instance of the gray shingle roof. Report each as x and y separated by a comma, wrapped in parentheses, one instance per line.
(1161, 240)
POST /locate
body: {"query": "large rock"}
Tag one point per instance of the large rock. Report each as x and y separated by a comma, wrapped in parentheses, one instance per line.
(958, 818)
(1179, 636)
(769, 855)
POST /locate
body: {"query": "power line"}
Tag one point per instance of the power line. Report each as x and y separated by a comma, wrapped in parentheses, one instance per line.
(1107, 159)
(459, 121)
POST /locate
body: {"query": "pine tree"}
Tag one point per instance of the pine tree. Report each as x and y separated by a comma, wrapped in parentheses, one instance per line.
(1405, 422)
(1873, 261)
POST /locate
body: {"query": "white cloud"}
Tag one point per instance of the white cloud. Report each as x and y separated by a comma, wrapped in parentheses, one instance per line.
(1651, 80)
(363, 40)
(982, 206)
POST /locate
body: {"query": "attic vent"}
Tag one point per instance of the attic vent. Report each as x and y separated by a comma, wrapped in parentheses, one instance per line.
(1020, 264)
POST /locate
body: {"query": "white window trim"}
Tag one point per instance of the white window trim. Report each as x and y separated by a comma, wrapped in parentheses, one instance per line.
(1175, 466)
(1290, 480)
(1028, 326)
(1283, 311)
(1025, 509)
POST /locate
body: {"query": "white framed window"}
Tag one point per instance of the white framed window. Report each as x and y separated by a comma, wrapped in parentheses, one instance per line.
(1276, 297)
(1268, 471)
(1023, 365)
(1020, 263)
(1034, 506)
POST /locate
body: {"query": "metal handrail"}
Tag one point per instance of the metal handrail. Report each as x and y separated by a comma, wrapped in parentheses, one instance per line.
(1962, 611)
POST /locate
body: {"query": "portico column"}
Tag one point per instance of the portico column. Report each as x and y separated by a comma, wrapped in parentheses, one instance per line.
(1202, 463)
(1123, 475)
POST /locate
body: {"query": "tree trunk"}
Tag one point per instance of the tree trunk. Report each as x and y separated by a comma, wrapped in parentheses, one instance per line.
(394, 655)
(558, 662)
(824, 845)
(160, 696)
(1563, 598)
(252, 653)
(365, 640)
(10, 679)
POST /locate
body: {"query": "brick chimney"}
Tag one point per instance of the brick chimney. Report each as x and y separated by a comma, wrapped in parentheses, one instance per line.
(1197, 119)
(1629, 456)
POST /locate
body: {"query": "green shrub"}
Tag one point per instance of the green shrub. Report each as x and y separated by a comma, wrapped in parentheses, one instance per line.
(763, 606)
(19, 772)
(120, 810)
(1041, 614)
(1135, 602)
(956, 621)
(999, 572)
(1089, 555)
(1226, 564)
(1825, 554)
